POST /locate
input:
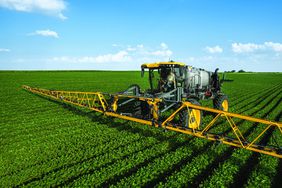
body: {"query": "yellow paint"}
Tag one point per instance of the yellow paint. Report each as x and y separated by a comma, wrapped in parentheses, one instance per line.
(225, 105)
(114, 105)
(194, 118)
(154, 109)
(158, 64)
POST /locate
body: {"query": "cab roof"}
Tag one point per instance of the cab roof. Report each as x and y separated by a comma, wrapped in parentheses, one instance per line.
(160, 64)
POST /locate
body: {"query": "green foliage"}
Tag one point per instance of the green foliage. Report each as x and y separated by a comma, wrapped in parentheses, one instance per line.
(45, 143)
(240, 71)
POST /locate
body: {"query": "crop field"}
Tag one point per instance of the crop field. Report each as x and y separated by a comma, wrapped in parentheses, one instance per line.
(49, 144)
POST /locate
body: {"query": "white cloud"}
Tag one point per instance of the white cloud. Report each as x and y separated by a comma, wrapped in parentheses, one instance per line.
(248, 47)
(201, 59)
(164, 46)
(131, 49)
(141, 51)
(252, 47)
(277, 47)
(165, 53)
(45, 33)
(49, 7)
(121, 56)
(4, 50)
(214, 49)
(162, 51)
(140, 46)
(118, 57)
(62, 17)
(133, 54)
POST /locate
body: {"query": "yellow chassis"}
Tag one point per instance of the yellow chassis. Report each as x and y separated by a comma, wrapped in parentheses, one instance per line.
(96, 101)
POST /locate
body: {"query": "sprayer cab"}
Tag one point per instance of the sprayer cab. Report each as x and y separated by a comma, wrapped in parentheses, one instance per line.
(164, 76)
(186, 81)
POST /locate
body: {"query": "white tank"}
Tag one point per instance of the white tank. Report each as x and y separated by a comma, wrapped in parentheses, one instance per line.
(197, 78)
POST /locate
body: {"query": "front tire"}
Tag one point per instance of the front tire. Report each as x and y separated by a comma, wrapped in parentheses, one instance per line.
(221, 103)
(191, 118)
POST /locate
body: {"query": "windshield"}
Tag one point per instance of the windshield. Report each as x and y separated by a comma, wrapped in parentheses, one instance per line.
(158, 77)
(164, 78)
(155, 78)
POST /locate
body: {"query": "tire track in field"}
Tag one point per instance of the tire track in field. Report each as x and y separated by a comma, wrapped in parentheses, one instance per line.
(228, 157)
(215, 164)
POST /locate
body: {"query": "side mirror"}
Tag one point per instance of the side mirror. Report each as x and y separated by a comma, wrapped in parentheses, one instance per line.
(142, 72)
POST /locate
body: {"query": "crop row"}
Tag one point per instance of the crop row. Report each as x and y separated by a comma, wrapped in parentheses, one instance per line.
(192, 173)
(240, 159)
(45, 143)
(131, 181)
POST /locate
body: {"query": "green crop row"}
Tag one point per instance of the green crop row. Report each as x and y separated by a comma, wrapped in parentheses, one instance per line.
(185, 178)
(46, 144)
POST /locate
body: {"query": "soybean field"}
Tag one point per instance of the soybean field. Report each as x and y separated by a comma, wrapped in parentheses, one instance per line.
(45, 143)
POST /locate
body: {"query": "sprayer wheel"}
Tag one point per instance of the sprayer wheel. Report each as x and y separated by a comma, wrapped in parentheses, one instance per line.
(221, 102)
(191, 118)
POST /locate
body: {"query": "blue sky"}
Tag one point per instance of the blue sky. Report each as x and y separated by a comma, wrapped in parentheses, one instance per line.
(122, 34)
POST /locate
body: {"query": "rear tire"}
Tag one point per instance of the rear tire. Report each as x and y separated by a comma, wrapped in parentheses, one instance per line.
(194, 115)
(221, 102)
